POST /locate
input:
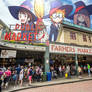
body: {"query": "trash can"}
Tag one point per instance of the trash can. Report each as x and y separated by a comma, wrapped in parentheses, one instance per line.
(44, 76)
(48, 76)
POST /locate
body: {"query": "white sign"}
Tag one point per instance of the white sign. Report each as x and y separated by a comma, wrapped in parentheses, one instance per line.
(24, 47)
(8, 54)
(56, 48)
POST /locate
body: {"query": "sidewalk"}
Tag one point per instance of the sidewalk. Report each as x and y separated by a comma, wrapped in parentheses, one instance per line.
(48, 83)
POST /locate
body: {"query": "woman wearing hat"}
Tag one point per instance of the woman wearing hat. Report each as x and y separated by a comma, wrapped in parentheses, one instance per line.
(24, 15)
(82, 14)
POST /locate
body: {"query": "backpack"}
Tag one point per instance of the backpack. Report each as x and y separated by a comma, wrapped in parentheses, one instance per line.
(14, 77)
(30, 72)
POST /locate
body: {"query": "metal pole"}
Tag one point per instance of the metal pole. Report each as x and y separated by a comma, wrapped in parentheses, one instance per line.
(46, 63)
(76, 62)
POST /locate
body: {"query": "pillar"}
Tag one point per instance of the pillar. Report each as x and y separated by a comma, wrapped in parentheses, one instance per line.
(76, 63)
(46, 60)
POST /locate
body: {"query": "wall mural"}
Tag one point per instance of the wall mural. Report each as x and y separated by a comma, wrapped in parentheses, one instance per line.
(40, 21)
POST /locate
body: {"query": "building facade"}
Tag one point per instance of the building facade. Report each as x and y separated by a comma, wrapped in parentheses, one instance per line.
(74, 45)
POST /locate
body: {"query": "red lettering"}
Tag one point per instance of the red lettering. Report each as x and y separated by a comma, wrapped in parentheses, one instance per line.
(17, 26)
(90, 51)
(18, 36)
(30, 37)
(39, 27)
(7, 36)
(27, 27)
(22, 27)
(35, 34)
(13, 36)
(25, 36)
(32, 27)
(79, 50)
(73, 50)
(56, 48)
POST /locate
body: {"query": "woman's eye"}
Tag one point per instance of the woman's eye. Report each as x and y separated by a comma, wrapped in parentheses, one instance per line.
(25, 15)
(59, 15)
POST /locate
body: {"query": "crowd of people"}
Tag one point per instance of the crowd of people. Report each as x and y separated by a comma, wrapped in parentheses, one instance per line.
(17, 75)
(20, 74)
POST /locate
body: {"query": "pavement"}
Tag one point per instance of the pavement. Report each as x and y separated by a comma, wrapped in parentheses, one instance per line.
(83, 86)
(48, 83)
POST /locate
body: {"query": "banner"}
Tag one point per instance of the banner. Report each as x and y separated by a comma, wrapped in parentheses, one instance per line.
(67, 49)
(40, 21)
(8, 54)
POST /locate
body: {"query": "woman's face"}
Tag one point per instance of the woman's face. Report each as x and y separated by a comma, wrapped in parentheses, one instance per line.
(23, 17)
(81, 18)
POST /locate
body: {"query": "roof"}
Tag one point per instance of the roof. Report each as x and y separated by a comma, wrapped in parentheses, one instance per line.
(77, 27)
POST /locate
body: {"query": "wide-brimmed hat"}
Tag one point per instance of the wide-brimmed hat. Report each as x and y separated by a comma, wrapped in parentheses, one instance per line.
(26, 5)
(55, 5)
(58, 5)
(81, 8)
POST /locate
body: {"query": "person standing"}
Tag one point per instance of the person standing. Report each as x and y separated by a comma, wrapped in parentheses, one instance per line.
(79, 71)
(30, 75)
(88, 67)
(1, 73)
(0, 85)
(21, 76)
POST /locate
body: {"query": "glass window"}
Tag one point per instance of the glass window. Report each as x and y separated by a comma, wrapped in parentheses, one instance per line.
(89, 38)
(84, 38)
(73, 35)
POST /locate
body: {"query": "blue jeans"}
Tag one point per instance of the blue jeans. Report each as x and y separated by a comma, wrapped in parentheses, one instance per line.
(88, 71)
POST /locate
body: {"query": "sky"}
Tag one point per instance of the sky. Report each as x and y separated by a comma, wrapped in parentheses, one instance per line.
(8, 19)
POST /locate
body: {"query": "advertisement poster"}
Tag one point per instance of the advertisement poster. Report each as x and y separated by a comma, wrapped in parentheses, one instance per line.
(8, 54)
(40, 21)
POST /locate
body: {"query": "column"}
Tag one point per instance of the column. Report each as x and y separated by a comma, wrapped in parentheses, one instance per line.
(46, 61)
(76, 63)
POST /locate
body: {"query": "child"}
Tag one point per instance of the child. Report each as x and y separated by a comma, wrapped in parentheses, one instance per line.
(21, 75)
(56, 19)
(30, 75)
(15, 77)
(57, 14)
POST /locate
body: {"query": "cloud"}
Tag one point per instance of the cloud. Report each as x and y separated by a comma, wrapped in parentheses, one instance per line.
(14, 2)
(85, 1)
(5, 15)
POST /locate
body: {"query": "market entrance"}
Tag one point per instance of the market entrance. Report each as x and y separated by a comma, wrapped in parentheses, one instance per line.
(30, 58)
(65, 59)
(24, 57)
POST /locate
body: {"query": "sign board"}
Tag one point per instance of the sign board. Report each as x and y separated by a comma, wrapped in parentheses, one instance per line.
(67, 49)
(24, 47)
(8, 54)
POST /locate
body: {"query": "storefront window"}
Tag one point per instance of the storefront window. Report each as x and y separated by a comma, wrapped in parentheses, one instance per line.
(73, 35)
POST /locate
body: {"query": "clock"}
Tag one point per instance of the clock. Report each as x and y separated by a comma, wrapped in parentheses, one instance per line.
(43, 35)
